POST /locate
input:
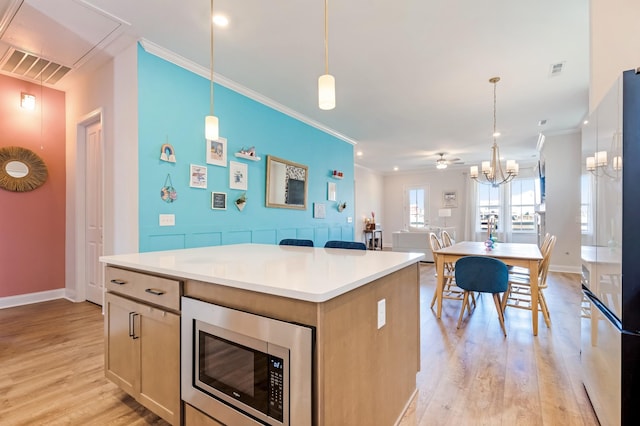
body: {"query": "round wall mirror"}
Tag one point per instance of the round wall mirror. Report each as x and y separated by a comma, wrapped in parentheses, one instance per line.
(21, 169)
(17, 169)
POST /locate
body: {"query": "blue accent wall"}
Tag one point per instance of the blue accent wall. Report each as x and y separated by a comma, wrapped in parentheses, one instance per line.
(172, 104)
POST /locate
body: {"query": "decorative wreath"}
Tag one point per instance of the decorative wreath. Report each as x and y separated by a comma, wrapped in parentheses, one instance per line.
(36, 169)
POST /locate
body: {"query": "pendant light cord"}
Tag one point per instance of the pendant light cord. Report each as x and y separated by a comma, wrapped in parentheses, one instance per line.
(326, 36)
(211, 59)
(495, 83)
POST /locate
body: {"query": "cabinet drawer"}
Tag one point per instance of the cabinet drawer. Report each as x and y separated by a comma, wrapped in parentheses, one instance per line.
(156, 290)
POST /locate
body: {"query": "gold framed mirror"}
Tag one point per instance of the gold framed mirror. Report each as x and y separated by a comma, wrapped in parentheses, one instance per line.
(286, 184)
(21, 169)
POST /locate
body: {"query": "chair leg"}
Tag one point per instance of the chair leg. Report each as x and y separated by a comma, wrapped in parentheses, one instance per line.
(545, 309)
(505, 298)
(435, 296)
(496, 299)
(465, 302)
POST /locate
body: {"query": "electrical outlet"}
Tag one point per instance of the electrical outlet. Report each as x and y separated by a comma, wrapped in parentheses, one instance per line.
(167, 220)
(349, 219)
(382, 313)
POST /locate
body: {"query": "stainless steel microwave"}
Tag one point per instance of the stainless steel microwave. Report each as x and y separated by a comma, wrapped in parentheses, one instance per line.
(242, 368)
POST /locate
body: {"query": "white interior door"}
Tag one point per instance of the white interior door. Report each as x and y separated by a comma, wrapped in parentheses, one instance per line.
(93, 198)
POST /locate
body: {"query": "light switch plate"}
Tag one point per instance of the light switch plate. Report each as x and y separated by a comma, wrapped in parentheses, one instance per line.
(382, 313)
(167, 220)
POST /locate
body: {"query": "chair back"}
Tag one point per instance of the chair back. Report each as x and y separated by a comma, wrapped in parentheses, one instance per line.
(446, 238)
(483, 274)
(351, 245)
(546, 260)
(296, 242)
(434, 242)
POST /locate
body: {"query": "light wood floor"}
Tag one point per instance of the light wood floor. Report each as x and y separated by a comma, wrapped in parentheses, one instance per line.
(476, 376)
(51, 366)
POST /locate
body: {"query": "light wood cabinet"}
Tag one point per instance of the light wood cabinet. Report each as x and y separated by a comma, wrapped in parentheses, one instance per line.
(142, 352)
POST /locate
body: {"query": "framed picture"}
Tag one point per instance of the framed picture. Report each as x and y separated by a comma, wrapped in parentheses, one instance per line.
(219, 200)
(238, 175)
(331, 191)
(319, 210)
(217, 152)
(449, 199)
(198, 176)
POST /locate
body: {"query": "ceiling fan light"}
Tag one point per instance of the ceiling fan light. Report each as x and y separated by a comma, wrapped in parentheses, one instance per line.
(441, 164)
(326, 92)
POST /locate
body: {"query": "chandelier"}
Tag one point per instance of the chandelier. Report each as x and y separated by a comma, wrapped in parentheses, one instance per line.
(492, 172)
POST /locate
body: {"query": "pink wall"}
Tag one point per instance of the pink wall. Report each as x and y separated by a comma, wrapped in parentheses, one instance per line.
(32, 224)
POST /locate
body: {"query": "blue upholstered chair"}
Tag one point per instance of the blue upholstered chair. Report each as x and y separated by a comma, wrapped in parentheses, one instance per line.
(296, 242)
(484, 275)
(352, 245)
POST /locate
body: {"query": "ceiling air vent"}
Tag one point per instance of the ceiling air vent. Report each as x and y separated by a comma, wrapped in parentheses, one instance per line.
(31, 67)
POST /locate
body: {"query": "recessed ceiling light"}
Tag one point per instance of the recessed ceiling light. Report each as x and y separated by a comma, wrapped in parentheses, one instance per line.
(395, 169)
(359, 153)
(221, 20)
(585, 122)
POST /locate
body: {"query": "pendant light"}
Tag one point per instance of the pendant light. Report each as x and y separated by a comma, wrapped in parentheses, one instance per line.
(211, 127)
(326, 82)
(492, 172)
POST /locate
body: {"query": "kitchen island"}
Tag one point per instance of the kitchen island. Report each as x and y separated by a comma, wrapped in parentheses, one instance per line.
(364, 360)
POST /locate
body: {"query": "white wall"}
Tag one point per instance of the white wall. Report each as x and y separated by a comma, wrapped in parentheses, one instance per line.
(437, 181)
(110, 89)
(562, 154)
(369, 198)
(615, 44)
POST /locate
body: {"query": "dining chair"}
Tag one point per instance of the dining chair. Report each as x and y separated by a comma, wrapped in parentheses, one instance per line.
(450, 290)
(446, 238)
(518, 294)
(296, 242)
(543, 248)
(352, 245)
(484, 275)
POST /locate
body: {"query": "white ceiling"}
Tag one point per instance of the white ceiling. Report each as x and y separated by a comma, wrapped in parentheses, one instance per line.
(411, 76)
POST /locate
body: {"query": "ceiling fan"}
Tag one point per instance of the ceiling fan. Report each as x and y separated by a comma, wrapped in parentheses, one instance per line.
(442, 163)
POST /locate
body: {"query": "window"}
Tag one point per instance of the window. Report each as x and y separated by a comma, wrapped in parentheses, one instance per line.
(488, 205)
(524, 193)
(417, 205)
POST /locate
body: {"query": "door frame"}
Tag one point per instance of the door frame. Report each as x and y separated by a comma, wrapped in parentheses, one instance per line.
(95, 116)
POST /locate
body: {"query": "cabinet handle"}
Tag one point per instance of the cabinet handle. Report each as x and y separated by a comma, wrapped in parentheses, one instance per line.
(132, 323)
(131, 331)
(155, 291)
(119, 282)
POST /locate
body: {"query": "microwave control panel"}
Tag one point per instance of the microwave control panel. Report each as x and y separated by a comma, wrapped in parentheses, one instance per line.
(276, 387)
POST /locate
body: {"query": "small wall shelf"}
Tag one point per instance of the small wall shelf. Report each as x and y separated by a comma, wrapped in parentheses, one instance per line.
(247, 157)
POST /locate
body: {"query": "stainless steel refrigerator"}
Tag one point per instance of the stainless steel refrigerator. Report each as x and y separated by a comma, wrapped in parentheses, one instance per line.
(610, 315)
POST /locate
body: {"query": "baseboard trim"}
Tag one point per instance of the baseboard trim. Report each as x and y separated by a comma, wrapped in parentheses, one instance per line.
(27, 299)
(565, 268)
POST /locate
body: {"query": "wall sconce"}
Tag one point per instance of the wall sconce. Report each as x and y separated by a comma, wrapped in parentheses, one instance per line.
(27, 101)
(598, 165)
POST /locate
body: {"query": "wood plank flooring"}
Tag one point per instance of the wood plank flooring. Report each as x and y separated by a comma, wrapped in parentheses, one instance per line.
(476, 376)
(52, 355)
(52, 369)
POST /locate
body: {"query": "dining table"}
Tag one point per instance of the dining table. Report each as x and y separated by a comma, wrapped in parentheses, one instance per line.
(513, 254)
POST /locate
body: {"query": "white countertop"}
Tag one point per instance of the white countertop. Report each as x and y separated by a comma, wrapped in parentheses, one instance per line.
(303, 273)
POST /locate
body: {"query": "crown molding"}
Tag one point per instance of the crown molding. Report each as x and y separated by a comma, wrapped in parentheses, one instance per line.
(204, 72)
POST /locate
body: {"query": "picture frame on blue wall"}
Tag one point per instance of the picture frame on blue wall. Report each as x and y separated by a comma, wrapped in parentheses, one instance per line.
(238, 175)
(218, 200)
(198, 176)
(217, 152)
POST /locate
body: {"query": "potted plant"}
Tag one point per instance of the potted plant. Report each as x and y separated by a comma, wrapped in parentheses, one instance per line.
(241, 201)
